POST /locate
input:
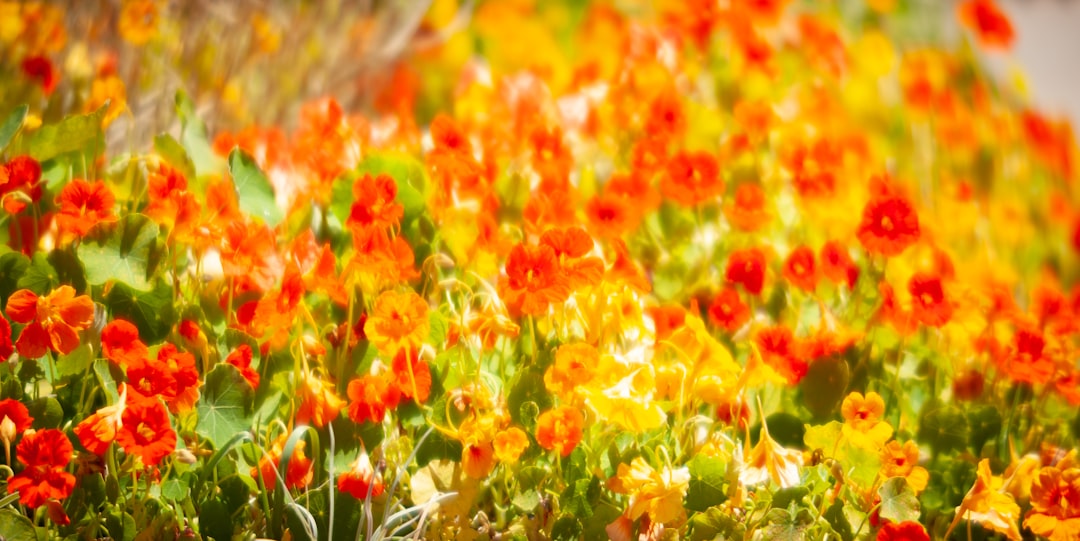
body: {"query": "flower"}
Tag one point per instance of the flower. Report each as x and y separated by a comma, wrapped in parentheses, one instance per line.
(1055, 503)
(903, 531)
(20, 183)
(837, 266)
(889, 225)
(800, 269)
(376, 206)
(44, 455)
(768, 460)
(929, 304)
(52, 321)
(172, 376)
(298, 473)
(1025, 360)
(780, 350)
(361, 479)
(533, 279)
(902, 461)
(509, 444)
(560, 429)
(82, 206)
(39, 67)
(747, 268)
(370, 396)
(121, 344)
(318, 403)
(747, 212)
(99, 429)
(146, 432)
(991, 25)
(241, 359)
(575, 364)
(862, 417)
(692, 178)
(138, 21)
(397, 321)
(14, 419)
(656, 493)
(988, 505)
(728, 310)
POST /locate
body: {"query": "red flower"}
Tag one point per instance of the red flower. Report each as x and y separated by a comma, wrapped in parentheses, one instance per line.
(929, 304)
(376, 206)
(51, 321)
(361, 479)
(120, 343)
(83, 205)
(41, 68)
(889, 225)
(904, 531)
(666, 320)
(747, 212)
(692, 178)
(837, 266)
(44, 455)
(779, 349)
(370, 396)
(146, 431)
(728, 310)
(6, 348)
(14, 419)
(19, 182)
(747, 268)
(991, 25)
(533, 279)
(414, 381)
(241, 359)
(800, 269)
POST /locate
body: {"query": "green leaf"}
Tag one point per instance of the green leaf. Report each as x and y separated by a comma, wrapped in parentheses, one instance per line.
(122, 251)
(173, 152)
(898, 501)
(567, 528)
(13, 265)
(985, 424)
(715, 524)
(76, 362)
(437, 446)
(70, 134)
(103, 371)
(16, 527)
(40, 277)
(174, 489)
(526, 501)
(46, 411)
(253, 189)
(151, 312)
(11, 125)
(944, 428)
(225, 405)
(706, 483)
(194, 139)
(580, 497)
(214, 520)
(839, 522)
(825, 437)
(786, 496)
(785, 526)
(438, 327)
(825, 385)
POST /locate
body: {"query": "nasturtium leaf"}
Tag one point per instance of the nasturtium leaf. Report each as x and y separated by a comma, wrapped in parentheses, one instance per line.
(863, 463)
(70, 134)
(13, 265)
(706, 483)
(253, 189)
(16, 527)
(898, 501)
(825, 437)
(438, 447)
(121, 525)
(839, 522)
(785, 496)
(580, 497)
(68, 269)
(984, 424)
(528, 386)
(76, 362)
(785, 525)
(526, 500)
(46, 411)
(825, 385)
(225, 405)
(11, 125)
(103, 370)
(567, 528)
(787, 429)
(437, 329)
(214, 520)
(122, 251)
(174, 489)
(175, 155)
(715, 524)
(40, 276)
(944, 428)
(152, 311)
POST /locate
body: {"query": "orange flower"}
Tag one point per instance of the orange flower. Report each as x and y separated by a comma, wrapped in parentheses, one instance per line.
(747, 268)
(298, 473)
(1025, 361)
(241, 359)
(991, 25)
(666, 117)
(571, 247)
(83, 205)
(370, 396)
(120, 343)
(575, 364)
(929, 304)
(902, 461)
(747, 212)
(890, 311)
(52, 321)
(533, 279)
(20, 183)
(172, 376)
(318, 403)
(14, 419)
(988, 505)
(728, 310)
(98, 430)
(692, 178)
(478, 459)
(837, 266)
(779, 349)
(560, 429)
(1055, 502)
(146, 432)
(44, 455)
(170, 203)
(413, 376)
(755, 118)
(611, 216)
(398, 321)
(889, 225)
(666, 320)
(800, 269)
(550, 158)
(361, 480)
(624, 269)
(862, 418)
(376, 206)
(509, 444)
(648, 156)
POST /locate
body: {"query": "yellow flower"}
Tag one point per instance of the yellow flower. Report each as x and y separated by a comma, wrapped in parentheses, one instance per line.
(629, 403)
(769, 460)
(862, 419)
(987, 505)
(658, 493)
(902, 461)
(510, 443)
(398, 321)
(109, 89)
(574, 365)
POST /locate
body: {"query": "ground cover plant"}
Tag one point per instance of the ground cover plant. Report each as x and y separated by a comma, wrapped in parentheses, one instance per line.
(698, 270)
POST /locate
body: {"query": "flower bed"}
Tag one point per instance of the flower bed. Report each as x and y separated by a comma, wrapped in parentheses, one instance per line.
(758, 271)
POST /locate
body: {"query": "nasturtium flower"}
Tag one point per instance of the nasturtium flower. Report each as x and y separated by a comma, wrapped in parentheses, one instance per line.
(478, 458)
(360, 480)
(903, 531)
(657, 493)
(121, 344)
(533, 280)
(20, 183)
(770, 461)
(138, 21)
(413, 376)
(1026, 360)
(889, 225)
(99, 429)
(692, 178)
(52, 321)
(930, 305)
(800, 269)
(611, 216)
(44, 455)
(991, 25)
(575, 364)
(560, 429)
(319, 404)
(837, 265)
(399, 320)
(376, 206)
(82, 206)
(863, 418)
(747, 211)
(298, 473)
(1055, 503)
(988, 505)
(170, 202)
(241, 358)
(14, 420)
(903, 461)
(41, 69)
(780, 350)
(629, 402)
(747, 268)
(370, 396)
(509, 444)
(145, 431)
